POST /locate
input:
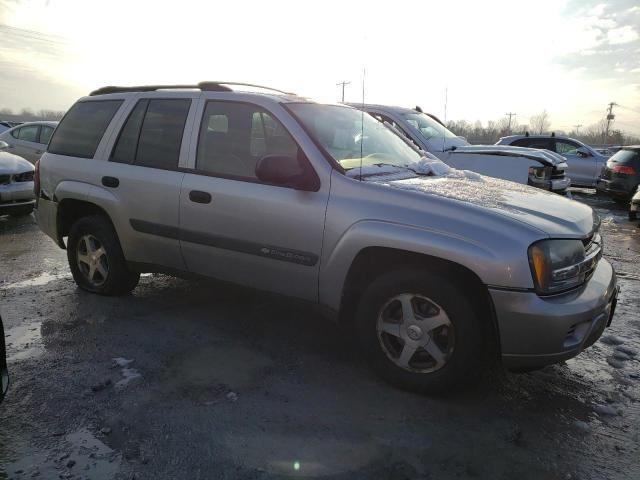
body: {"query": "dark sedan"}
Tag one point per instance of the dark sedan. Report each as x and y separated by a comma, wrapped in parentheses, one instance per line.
(621, 175)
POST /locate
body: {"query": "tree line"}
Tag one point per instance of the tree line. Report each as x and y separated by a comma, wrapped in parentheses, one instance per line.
(29, 115)
(493, 130)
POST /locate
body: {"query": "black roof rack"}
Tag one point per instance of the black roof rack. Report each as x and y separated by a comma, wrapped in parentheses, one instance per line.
(204, 86)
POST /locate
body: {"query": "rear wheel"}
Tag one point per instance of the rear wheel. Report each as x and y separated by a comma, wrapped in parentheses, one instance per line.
(633, 215)
(96, 259)
(419, 332)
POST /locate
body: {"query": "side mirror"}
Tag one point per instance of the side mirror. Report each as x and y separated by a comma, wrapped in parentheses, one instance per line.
(4, 374)
(583, 152)
(287, 171)
(3, 145)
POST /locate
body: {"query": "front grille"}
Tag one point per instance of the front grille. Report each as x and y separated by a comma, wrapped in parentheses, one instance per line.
(23, 177)
(557, 174)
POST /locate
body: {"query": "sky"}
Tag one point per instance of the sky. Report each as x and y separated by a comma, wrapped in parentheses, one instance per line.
(472, 60)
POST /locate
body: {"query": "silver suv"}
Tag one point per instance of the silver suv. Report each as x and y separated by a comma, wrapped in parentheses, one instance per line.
(439, 270)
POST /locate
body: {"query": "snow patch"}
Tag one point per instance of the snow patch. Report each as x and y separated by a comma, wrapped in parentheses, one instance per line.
(128, 374)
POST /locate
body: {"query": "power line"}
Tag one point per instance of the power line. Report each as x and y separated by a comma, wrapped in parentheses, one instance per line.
(343, 83)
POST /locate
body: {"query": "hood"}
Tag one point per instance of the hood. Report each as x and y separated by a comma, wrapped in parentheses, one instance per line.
(546, 157)
(551, 214)
(12, 164)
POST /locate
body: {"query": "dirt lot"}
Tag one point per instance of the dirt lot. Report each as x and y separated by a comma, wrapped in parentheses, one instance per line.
(197, 380)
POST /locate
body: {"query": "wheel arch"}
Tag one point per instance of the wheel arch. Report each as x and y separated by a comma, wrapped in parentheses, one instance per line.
(372, 261)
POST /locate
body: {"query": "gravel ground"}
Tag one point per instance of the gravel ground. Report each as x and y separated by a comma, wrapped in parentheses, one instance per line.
(198, 380)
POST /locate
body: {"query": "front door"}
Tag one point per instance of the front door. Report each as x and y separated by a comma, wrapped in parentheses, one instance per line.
(234, 227)
(583, 169)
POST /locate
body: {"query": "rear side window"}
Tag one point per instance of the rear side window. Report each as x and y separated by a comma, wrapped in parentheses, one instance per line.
(28, 133)
(152, 135)
(45, 134)
(81, 129)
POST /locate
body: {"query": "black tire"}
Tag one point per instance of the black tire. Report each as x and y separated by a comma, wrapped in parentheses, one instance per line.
(21, 211)
(470, 356)
(633, 216)
(119, 280)
(621, 200)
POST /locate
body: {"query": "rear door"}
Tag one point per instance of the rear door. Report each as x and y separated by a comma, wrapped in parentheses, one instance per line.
(583, 169)
(143, 174)
(234, 227)
(24, 142)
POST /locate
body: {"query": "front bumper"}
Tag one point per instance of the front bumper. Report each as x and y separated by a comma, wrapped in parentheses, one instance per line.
(17, 195)
(537, 331)
(560, 185)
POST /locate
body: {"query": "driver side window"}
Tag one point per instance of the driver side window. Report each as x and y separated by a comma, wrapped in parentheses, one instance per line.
(235, 136)
(566, 148)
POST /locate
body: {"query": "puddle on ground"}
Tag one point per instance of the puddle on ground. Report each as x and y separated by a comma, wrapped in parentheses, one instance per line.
(79, 455)
(40, 280)
(299, 455)
(24, 341)
(235, 367)
(128, 374)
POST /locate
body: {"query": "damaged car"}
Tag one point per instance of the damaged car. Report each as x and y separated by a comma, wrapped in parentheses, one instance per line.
(17, 197)
(538, 168)
(441, 272)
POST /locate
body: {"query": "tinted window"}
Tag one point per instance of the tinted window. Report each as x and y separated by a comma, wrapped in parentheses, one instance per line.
(161, 133)
(125, 148)
(234, 136)
(81, 129)
(29, 133)
(626, 157)
(566, 148)
(45, 134)
(542, 143)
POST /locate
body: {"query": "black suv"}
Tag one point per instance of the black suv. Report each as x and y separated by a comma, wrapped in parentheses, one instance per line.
(621, 175)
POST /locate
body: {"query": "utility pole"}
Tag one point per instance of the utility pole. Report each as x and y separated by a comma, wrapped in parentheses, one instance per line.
(610, 118)
(510, 114)
(343, 83)
(577, 127)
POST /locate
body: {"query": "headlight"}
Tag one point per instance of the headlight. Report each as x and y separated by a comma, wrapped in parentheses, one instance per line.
(560, 265)
(540, 173)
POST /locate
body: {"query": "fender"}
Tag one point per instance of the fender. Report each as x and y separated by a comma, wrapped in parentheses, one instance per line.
(369, 233)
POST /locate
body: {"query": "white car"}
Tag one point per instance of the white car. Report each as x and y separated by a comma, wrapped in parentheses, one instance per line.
(585, 163)
(16, 185)
(28, 140)
(537, 168)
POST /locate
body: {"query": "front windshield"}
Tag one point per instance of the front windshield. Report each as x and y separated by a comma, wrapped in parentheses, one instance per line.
(427, 126)
(353, 138)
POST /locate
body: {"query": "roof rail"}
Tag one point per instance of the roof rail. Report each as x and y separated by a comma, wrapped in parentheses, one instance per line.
(203, 86)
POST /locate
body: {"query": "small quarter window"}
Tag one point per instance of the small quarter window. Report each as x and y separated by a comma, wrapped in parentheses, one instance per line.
(45, 134)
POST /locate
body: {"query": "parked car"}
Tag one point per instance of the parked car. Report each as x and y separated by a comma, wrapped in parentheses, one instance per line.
(621, 174)
(17, 196)
(4, 373)
(28, 140)
(523, 165)
(440, 271)
(585, 163)
(634, 206)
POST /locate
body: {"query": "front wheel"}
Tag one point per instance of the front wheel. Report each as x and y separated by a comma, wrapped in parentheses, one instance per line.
(96, 259)
(420, 332)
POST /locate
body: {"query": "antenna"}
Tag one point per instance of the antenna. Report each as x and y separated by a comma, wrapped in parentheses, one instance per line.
(446, 98)
(362, 123)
